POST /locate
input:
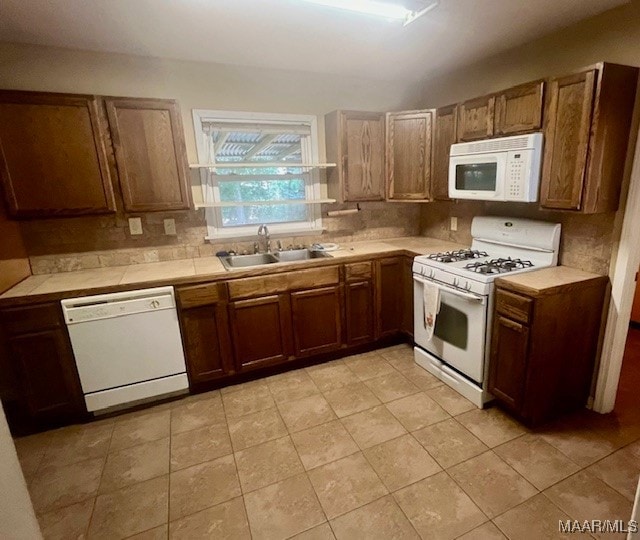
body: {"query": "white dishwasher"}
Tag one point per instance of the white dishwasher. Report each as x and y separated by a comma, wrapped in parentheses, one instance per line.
(127, 346)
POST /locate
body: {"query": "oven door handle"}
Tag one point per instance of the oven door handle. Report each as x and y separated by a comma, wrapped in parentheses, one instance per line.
(449, 290)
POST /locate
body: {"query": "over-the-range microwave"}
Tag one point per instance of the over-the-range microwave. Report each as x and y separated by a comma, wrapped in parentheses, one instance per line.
(504, 169)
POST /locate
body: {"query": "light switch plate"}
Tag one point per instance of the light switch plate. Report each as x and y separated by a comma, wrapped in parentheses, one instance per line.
(135, 226)
(454, 223)
(170, 227)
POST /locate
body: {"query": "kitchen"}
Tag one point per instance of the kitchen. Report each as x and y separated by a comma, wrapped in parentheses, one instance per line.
(344, 318)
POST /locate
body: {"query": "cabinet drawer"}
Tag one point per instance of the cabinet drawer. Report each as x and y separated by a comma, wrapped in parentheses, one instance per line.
(358, 271)
(200, 295)
(277, 283)
(514, 306)
(27, 319)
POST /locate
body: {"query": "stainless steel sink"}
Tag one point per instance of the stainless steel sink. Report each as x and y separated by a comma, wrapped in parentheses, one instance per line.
(300, 255)
(239, 261)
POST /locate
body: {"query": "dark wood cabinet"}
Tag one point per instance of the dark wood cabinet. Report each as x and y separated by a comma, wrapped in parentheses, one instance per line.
(587, 126)
(444, 135)
(519, 109)
(40, 386)
(389, 292)
(544, 342)
(355, 141)
(510, 341)
(53, 155)
(317, 320)
(407, 296)
(359, 303)
(150, 154)
(261, 331)
(205, 332)
(475, 119)
(408, 150)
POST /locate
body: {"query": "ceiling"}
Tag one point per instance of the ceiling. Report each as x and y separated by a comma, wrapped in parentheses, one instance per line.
(291, 34)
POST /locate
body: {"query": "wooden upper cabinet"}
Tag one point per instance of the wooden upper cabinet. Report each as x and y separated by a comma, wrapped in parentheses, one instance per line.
(150, 154)
(475, 118)
(519, 109)
(587, 126)
(355, 141)
(53, 155)
(444, 135)
(409, 155)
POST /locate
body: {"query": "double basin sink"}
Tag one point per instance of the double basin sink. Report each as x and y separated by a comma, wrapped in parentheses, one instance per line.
(293, 255)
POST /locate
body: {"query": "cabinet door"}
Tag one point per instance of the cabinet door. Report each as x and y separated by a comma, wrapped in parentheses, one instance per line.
(509, 352)
(389, 292)
(519, 109)
(568, 114)
(407, 296)
(53, 155)
(359, 312)
(205, 332)
(409, 155)
(444, 135)
(46, 369)
(475, 119)
(362, 139)
(261, 331)
(150, 154)
(317, 325)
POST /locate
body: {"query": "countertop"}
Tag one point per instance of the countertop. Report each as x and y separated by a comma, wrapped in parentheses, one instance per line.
(50, 287)
(547, 281)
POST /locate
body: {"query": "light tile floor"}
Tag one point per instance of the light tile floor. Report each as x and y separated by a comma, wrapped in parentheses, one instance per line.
(370, 446)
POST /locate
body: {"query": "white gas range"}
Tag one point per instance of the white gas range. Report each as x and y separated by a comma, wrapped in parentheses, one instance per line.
(458, 351)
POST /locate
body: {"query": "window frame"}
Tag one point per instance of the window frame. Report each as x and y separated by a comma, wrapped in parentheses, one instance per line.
(210, 189)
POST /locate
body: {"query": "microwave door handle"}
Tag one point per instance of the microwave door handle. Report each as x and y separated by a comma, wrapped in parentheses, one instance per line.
(450, 290)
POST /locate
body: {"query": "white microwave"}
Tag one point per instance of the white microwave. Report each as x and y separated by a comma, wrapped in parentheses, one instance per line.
(504, 169)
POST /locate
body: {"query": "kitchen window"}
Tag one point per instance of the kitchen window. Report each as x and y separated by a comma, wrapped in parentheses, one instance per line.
(258, 168)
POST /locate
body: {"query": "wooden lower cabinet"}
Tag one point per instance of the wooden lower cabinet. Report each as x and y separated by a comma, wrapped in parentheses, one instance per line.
(544, 346)
(389, 293)
(317, 320)
(261, 331)
(40, 384)
(359, 312)
(407, 296)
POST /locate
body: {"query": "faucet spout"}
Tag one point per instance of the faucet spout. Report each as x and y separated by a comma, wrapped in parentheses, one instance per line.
(264, 237)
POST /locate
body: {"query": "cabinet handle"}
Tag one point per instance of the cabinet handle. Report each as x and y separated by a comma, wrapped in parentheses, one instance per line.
(513, 325)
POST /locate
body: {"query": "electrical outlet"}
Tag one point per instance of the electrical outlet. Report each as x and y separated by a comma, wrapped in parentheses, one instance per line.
(170, 227)
(454, 223)
(135, 226)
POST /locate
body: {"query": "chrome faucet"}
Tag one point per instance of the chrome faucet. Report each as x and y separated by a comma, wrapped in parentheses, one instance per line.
(264, 238)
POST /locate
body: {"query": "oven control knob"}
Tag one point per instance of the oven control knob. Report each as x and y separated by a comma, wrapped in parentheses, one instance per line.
(455, 282)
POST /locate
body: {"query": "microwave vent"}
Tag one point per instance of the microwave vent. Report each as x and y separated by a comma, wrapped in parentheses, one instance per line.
(495, 145)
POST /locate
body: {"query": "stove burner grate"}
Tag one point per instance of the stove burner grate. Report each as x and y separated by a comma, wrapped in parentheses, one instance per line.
(498, 266)
(455, 256)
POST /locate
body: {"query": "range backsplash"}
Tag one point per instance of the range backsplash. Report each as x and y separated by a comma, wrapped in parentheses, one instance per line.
(586, 241)
(67, 244)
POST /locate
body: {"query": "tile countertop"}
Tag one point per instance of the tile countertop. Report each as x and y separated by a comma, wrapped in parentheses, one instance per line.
(48, 287)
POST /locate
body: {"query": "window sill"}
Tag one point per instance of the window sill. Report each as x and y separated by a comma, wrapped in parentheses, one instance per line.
(275, 234)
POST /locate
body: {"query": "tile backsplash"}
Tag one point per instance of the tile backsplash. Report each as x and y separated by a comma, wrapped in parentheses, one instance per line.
(67, 244)
(586, 241)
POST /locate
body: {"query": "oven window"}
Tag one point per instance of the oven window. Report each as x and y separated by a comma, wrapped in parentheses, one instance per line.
(476, 177)
(452, 326)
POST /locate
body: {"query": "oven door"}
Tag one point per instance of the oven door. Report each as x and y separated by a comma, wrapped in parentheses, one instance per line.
(479, 177)
(460, 331)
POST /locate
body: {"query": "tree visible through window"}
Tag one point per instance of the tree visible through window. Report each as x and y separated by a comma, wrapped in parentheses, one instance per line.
(263, 161)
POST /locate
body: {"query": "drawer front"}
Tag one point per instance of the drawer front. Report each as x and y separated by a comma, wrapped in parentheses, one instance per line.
(514, 306)
(278, 283)
(26, 319)
(358, 271)
(199, 295)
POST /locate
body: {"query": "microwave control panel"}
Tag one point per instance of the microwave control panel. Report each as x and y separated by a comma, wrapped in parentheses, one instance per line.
(518, 170)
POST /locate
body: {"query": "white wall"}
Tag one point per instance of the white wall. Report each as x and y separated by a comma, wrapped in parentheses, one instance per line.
(17, 518)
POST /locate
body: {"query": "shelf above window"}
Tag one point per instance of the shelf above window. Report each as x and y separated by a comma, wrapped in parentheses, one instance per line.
(262, 203)
(260, 165)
